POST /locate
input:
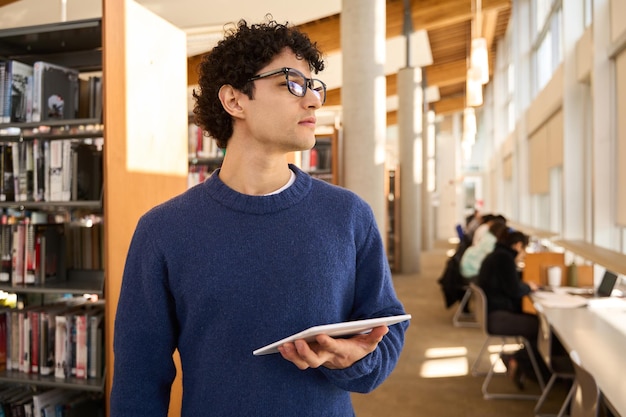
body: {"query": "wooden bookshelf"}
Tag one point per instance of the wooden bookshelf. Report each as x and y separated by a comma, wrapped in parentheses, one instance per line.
(63, 44)
(321, 161)
(133, 48)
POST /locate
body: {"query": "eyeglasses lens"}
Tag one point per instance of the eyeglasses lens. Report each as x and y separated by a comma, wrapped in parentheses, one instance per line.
(297, 85)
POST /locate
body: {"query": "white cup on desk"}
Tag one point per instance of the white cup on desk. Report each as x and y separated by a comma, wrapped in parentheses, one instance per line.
(554, 276)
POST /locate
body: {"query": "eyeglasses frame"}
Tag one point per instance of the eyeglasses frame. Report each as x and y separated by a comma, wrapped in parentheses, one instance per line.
(285, 71)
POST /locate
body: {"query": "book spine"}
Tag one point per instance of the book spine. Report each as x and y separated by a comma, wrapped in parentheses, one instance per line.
(35, 336)
(19, 237)
(47, 344)
(29, 254)
(95, 346)
(81, 346)
(26, 339)
(6, 111)
(60, 343)
(37, 99)
(56, 170)
(3, 340)
(6, 250)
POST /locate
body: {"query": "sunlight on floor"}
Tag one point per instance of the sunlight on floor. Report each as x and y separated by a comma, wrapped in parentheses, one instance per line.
(446, 352)
(445, 362)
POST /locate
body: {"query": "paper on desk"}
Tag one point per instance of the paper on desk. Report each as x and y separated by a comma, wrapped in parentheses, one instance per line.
(558, 300)
(607, 302)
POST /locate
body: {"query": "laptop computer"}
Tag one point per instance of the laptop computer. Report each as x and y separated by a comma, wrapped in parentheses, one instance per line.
(609, 279)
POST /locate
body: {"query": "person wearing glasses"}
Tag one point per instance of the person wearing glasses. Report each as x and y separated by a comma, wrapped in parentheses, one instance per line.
(257, 252)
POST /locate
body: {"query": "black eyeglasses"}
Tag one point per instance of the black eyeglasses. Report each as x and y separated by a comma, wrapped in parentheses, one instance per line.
(297, 83)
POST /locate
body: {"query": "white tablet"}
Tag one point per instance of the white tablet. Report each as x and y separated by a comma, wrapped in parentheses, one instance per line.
(346, 328)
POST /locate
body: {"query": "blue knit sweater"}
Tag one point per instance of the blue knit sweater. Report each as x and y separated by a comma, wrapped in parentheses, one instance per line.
(218, 274)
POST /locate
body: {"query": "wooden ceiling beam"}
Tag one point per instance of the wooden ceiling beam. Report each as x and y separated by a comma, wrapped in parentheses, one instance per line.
(5, 2)
(448, 23)
(449, 105)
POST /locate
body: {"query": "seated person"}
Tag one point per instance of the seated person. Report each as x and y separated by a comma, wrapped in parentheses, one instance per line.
(487, 221)
(504, 289)
(473, 256)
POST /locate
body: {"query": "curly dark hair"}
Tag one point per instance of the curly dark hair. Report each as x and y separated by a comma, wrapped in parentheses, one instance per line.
(240, 55)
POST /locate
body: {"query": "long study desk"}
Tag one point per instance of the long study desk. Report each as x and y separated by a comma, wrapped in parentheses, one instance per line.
(600, 346)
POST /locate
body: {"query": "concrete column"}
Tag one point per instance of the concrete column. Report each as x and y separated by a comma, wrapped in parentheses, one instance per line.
(428, 138)
(574, 130)
(363, 97)
(603, 85)
(410, 130)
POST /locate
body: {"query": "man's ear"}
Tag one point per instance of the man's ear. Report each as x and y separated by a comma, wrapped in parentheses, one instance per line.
(230, 98)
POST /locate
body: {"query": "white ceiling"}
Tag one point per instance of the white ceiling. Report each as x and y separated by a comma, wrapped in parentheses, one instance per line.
(199, 18)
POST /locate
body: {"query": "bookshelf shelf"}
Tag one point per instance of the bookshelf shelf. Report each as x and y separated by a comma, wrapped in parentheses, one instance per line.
(52, 205)
(56, 123)
(15, 377)
(77, 282)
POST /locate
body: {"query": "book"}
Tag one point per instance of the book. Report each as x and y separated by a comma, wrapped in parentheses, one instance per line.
(30, 254)
(5, 87)
(19, 75)
(47, 340)
(39, 182)
(3, 340)
(6, 249)
(13, 361)
(81, 350)
(55, 92)
(7, 193)
(43, 398)
(55, 171)
(3, 65)
(61, 366)
(17, 256)
(87, 172)
(95, 343)
(50, 249)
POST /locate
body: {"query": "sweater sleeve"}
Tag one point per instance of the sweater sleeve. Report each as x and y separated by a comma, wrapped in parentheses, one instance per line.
(375, 297)
(143, 366)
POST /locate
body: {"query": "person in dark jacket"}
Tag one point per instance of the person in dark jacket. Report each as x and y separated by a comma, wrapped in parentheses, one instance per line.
(500, 279)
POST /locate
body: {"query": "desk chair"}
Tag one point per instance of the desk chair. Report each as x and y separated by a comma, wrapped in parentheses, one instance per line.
(463, 318)
(558, 361)
(480, 307)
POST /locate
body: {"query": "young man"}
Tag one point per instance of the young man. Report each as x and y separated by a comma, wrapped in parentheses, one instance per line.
(257, 252)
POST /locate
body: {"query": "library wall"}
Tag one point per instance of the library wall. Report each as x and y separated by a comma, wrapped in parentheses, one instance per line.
(620, 70)
(618, 24)
(545, 152)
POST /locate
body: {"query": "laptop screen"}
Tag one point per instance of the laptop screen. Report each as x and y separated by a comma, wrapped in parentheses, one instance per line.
(608, 282)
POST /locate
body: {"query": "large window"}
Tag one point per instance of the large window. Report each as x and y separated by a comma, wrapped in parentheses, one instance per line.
(588, 12)
(547, 44)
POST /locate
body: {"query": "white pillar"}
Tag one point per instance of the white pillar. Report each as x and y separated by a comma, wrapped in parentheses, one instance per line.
(363, 98)
(603, 84)
(410, 131)
(574, 127)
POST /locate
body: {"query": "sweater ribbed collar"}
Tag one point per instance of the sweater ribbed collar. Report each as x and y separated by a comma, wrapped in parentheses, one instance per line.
(265, 204)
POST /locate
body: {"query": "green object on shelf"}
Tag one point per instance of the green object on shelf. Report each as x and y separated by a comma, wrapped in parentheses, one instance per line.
(572, 275)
